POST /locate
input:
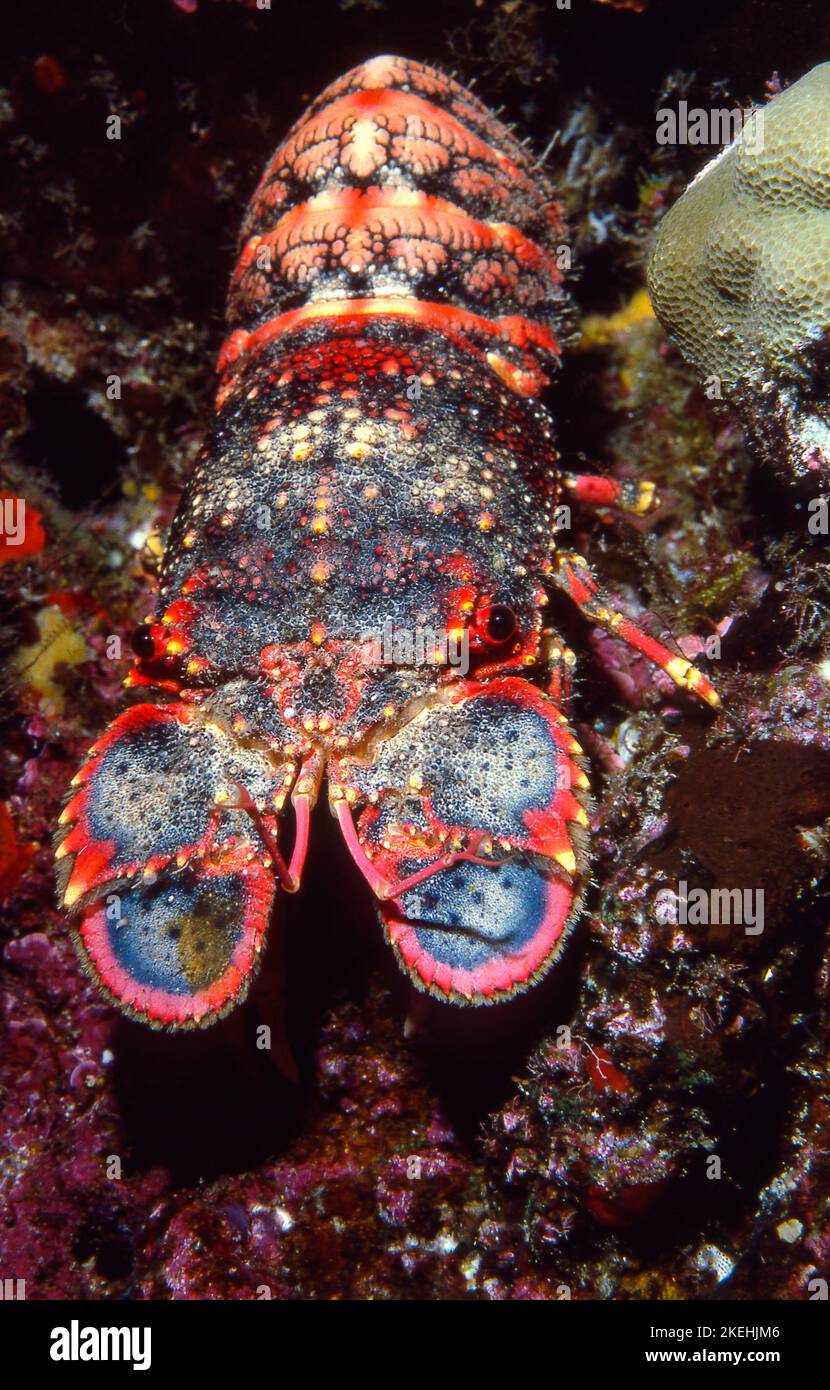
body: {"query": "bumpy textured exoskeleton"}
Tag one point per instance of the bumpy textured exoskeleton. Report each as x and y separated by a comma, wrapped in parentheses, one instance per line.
(355, 583)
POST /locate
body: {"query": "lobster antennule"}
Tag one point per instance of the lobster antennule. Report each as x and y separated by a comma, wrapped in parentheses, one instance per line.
(302, 811)
(303, 798)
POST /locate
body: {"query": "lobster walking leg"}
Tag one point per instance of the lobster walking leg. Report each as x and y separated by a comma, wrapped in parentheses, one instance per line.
(635, 496)
(573, 575)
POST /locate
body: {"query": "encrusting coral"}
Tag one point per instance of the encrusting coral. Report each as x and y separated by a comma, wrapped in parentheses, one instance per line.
(740, 276)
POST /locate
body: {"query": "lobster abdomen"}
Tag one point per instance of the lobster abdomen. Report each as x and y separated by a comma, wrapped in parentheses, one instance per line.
(398, 193)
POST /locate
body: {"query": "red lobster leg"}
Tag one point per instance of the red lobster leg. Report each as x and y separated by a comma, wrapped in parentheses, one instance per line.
(635, 496)
(573, 575)
(470, 826)
(172, 882)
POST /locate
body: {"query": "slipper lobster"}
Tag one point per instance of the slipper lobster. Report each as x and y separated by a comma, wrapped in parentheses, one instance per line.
(379, 468)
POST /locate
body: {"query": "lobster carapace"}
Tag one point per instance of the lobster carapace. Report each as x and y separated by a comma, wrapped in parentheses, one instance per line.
(354, 589)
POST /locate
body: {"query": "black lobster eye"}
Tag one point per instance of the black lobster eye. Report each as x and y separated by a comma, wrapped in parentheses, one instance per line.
(142, 642)
(500, 622)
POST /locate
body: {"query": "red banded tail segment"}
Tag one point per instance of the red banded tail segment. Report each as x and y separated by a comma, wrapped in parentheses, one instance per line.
(398, 195)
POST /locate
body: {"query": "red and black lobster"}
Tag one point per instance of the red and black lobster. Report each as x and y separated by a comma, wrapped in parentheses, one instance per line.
(378, 465)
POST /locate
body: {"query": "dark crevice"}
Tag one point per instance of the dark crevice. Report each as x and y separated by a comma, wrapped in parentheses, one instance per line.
(66, 439)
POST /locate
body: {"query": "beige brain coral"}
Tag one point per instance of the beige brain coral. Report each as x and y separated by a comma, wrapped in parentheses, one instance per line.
(740, 272)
